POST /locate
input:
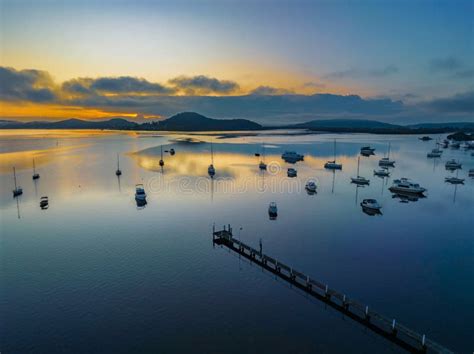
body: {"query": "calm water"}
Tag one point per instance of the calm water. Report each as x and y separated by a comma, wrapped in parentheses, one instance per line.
(94, 273)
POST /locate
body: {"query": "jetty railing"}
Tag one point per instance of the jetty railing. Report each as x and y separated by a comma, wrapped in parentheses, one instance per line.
(384, 326)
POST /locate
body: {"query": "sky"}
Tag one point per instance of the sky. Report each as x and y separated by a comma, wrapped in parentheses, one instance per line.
(270, 61)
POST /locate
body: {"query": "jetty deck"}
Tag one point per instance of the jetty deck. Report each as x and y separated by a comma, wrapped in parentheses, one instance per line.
(386, 327)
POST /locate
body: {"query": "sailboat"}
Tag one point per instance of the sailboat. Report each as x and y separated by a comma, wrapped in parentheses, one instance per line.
(161, 160)
(359, 179)
(262, 165)
(18, 190)
(454, 180)
(332, 165)
(118, 172)
(385, 161)
(211, 170)
(35, 175)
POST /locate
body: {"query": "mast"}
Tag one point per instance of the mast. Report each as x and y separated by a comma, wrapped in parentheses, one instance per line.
(34, 168)
(14, 177)
(212, 155)
(334, 150)
(161, 152)
(389, 151)
(263, 153)
(118, 164)
(358, 164)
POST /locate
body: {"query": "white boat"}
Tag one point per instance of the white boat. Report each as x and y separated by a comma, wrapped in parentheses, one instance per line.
(311, 186)
(291, 172)
(118, 172)
(404, 185)
(385, 161)
(454, 180)
(273, 210)
(140, 194)
(292, 156)
(370, 204)
(211, 170)
(262, 165)
(172, 152)
(162, 162)
(44, 202)
(18, 190)
(333, 165)
(35, 174)
(382, 173)
(359, 179)
(453, 165)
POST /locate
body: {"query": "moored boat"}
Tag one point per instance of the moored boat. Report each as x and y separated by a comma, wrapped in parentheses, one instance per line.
(291, 172)
(404, 185)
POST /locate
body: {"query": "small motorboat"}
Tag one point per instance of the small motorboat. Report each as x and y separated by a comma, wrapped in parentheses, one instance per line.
(172, 152)
(385, 161)
(292, 156)
(371, 204)
(454, 180)
(453, 165)
(367, 150)
(140, 194)
(44, 202)
(17, 190)
(382, 173)
(425, 138)
(404, 185)
(471, 172)
(291, 172)
(272, 210)
(455, 145)
(257, 154)
(311, 187)
(262, 165)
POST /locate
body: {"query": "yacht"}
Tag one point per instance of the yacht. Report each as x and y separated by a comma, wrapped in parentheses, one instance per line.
(367, 150)
(311, 187)
(262, 165)
(453, 165)
(211, 170)
(359, 179)
(385, 161)
(292, 156)
(35, 174)
(371, 204)
(44, 203)
(404, 185)
(162, 162)
(291, 172)
(172, 152)
(382, 173)
(272, 210)
(18, 190)
(454, 180)
(333, 165)
(118, 172)
(140, 194)
(434, 153)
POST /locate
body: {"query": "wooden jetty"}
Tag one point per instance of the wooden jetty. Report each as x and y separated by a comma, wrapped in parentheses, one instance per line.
(388, 328)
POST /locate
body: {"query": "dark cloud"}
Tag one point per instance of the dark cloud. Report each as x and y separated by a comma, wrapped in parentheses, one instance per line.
(341, 74)
(198, 85)
(268, 91)
(314, 84)
(26, 85)
(117, 85)
(449, 64)
(459, 103)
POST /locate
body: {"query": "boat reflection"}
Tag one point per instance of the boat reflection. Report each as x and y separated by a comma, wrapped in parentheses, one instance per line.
(407, 197)
(141, 203)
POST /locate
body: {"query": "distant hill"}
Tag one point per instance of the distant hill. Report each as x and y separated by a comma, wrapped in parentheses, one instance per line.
(191, 121)
(452, 125)
(346, 123)
(116, 123)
